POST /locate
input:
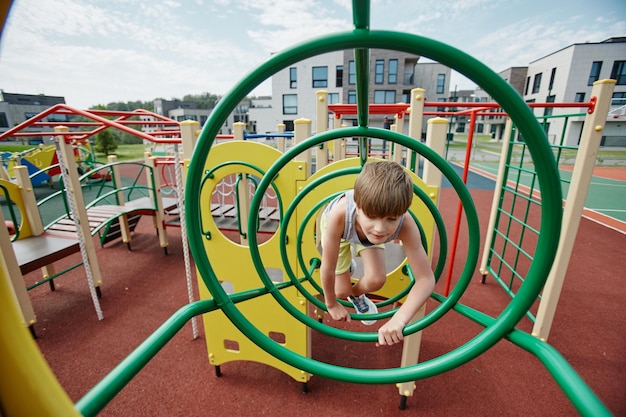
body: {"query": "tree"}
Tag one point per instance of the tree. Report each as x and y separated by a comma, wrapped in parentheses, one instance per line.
(105, 142)
(204, 100)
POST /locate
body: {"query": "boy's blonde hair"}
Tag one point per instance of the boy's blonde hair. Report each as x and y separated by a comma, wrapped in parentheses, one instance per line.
(383, 189)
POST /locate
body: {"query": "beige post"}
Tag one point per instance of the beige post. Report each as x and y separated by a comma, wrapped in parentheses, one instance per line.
(436, 132)
(4, 174)
(117, 183)
(436, 140)
(321, 125)
(339, 145)
(398, 150)
(495, 203)
(189, 131)
(11, 269)
(280, 142)
(415, 123)
(243, 202)
(71, 171)
(29, 200)
(302, 131)
(155, 195)
(572, 213)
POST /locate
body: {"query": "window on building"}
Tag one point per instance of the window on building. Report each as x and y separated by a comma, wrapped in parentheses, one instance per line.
(184, 117)
(28, 115)
(409, 71)
(57, 117)
(618, 73)
(288, 125)
(384, 96)
(339, 76)
(293, 77)
(619, 99)
(4, 122)
(441, 83)
(441, 100)
(333, 98)
(580, 98)
(552, 76)
(594, 74)
(351, 96)
(379, 75)
(406, 96)
(351, 73)
(527, 86)
(547, 111)
(290, 104)
(537, 83)
(392, 78)
(320, 77)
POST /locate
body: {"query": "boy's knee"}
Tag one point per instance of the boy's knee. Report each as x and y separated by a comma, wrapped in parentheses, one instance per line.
(343, 286)
(374, 282)
(343, 293)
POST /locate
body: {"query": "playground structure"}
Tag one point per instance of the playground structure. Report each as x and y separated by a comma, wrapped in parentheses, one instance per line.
(81, 208)
(225, 342)
(43, 161)
(34, 159)
(495, 328)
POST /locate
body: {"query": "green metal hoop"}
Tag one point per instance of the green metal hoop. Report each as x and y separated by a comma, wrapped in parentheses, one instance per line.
(502, 92)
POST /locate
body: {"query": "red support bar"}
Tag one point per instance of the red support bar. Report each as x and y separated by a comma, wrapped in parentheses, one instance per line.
(467, 107)
(398, 109)
(100, 122)
(457, 227)
(493, 105)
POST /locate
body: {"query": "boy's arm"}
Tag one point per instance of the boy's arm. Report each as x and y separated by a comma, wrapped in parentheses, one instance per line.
(335, 221)
(391, 332)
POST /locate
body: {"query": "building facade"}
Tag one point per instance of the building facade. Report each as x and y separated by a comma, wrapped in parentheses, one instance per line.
(17, 108)
(393, 75)
(188, 110)
(567, 75)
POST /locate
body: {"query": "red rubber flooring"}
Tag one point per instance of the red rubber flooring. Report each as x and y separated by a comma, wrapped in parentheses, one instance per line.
(144, 287)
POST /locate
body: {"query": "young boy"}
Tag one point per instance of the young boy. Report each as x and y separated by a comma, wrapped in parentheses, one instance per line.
(369, 216)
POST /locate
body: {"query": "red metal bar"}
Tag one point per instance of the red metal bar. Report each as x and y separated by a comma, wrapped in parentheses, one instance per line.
(493, 105)
(100, 123)
(341, 109)
(459, 212)
(125, 122)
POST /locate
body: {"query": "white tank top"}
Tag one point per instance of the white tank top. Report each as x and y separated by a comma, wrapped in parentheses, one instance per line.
(349, 231)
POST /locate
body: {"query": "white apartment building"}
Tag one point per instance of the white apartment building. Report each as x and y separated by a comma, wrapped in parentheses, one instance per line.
(392, 76)
(567, 75)
(294, 91)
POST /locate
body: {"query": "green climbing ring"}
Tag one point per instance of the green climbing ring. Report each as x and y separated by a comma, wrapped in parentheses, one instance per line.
(500, 91)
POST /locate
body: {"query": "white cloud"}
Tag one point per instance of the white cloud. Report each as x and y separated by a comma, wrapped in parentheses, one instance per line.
(94, 51)
(287, 22)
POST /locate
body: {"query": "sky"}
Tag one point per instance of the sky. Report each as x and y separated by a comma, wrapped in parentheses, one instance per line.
(100, 51)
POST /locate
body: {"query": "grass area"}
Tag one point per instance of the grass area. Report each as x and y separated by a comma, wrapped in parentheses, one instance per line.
(123, 152)
(602, 154)
(126, 153)
(15, 148)
(484, 143)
